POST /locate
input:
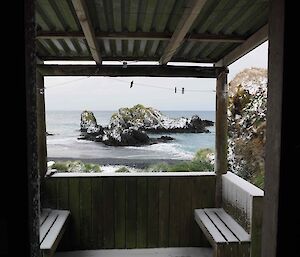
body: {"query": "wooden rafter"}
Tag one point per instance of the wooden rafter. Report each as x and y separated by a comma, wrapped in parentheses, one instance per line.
(142, 36)
(252, 42)
(87, 28)
(190, 14)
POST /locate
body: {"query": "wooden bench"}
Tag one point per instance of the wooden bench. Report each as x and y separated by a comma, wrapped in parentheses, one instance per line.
(226, 236)
(235, 229)
(52, 227)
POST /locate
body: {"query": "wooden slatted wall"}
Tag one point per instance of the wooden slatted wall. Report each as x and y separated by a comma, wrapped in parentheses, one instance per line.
(131, 212)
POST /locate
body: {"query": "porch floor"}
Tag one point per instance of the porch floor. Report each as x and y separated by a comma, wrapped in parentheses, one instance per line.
(150, 252)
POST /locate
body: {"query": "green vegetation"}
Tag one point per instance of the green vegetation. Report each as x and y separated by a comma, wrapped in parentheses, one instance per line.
(136, 113)
(199, 163)
(89, 116)
(75, 166)
(60, 166)
(122, 170)
(91, 167)
(204, 154)
(247, 107)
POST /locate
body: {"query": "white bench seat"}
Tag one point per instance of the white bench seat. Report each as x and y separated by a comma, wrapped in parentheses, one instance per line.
(226, 236)
(52, 227)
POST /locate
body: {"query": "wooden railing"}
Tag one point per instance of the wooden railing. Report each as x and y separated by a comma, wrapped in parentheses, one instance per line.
(131, 211)
(244, 202)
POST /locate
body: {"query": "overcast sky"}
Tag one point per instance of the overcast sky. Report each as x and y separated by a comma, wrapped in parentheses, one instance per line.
(107, 93)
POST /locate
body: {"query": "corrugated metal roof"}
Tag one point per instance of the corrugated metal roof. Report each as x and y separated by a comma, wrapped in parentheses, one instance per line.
(141, 29)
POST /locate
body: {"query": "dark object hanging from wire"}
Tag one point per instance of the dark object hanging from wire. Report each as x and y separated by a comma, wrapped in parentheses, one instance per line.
(131, 84)
(175, 90)
(182, 90)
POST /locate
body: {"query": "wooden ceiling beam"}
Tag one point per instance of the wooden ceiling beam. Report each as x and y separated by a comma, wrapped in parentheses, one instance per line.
(190, 14)
(252, 42)
(130, 71)
(87, 28)
(121, 59)
(142, 36)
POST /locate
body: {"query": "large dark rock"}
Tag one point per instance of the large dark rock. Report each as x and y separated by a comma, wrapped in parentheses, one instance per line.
(89, 128)
(126, 137)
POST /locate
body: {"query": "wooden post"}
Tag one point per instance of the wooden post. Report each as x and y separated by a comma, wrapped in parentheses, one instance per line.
(280, 229)
(221, 133)
(41, 131)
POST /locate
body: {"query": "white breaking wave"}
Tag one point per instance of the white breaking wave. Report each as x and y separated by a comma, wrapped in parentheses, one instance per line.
(172, 150)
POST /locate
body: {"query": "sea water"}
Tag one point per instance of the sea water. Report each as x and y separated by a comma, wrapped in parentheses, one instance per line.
(65, 126)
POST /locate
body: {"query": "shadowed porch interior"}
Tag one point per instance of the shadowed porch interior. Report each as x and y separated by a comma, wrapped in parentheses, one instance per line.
(150, 211)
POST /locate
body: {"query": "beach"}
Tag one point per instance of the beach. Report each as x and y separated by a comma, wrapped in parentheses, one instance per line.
(135, 163)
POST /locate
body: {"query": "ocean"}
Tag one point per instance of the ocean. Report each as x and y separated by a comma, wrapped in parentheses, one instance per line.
(65, 126)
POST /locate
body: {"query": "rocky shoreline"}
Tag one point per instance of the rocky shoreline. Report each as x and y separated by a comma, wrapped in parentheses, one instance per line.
(129, 127)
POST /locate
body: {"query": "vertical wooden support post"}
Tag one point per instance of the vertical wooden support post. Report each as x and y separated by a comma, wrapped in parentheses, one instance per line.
(41, 131)
(280, 230)
(221, 133)
(30, 211)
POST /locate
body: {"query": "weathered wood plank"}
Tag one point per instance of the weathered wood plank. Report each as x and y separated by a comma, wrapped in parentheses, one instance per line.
(256, 226)
(232, 179)
(51, 193)
(108, 213)
(63, 204)
(252, 42)
(192, 9)
(232, 225)
(56, 229)
(186, 212)
(85, 200)
(211, 232)
(195, 37)
(153, 209)
(201, 187)
(97, 214)
(131, 212)
(197, 235)
(174, 228)
(41, 131)
(120, 212)
(46, 226)
(74, 207)
(131, 70)
(221, 133)
(218, 221)
(164, 211)
(44, 215)
(63, 194)
(238, 196)
(87, 28)
(142, 212)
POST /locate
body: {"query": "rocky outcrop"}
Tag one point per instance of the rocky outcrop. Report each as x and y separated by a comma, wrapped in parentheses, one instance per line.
(247, 124)
(151, 120)
(89, 128)
(129, 126)
(125, 137)
(87, 121)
